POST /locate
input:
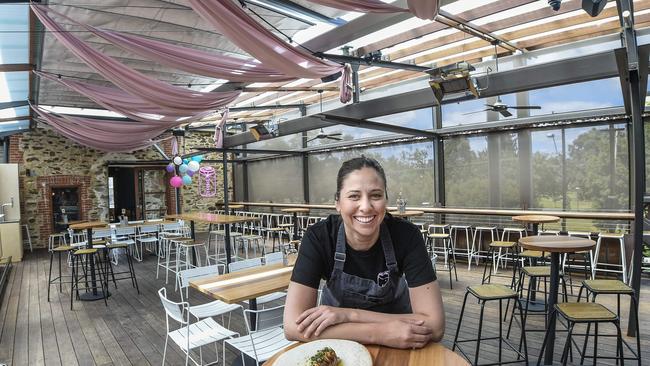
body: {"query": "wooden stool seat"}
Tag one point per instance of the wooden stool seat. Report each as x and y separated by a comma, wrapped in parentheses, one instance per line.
(284, 225)
(492, 292)
(533, 254)
(86, 251)
(503, 244)
(608, 287)
(62, 248)
(117, 246)
(585, 312)
(537, 271)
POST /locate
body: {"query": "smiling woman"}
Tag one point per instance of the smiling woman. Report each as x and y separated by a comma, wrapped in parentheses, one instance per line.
(376, 269)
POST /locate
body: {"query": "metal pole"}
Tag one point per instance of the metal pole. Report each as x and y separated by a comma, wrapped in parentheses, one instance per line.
(224, 158)
(5, 150)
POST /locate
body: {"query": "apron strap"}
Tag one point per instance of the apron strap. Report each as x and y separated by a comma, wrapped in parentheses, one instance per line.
(339, 255)
(387, 246)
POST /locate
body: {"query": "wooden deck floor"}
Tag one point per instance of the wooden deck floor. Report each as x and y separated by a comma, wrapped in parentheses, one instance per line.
(131, 329)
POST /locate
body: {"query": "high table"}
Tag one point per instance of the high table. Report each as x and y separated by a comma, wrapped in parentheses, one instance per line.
(211, 218)
(295, 211)
(433, 354)
(406, 214)
(88, 226)
(535, 220)
(554, 245)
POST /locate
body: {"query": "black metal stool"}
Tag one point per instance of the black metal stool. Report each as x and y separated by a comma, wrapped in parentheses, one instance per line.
(89, 254)
(485, 293)
(618, 288)
(51, 281)
(128, 275)
(580, 313)
(495, 250)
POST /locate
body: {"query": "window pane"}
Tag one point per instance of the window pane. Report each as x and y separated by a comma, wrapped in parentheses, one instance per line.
(547, 169)
(277, 180)
(577, 97)
(466, 171)
(509, 171)
(474, 111)
(14, 86)
(14, 33)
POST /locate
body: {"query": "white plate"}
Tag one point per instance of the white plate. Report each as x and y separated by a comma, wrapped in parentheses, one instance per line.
(350, 352)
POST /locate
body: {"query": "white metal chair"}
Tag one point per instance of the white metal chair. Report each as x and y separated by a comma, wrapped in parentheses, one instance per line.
(256, 262)
(145, 236)
(190, 335)
(267, 338)
(123, 235)
(213, 308)
(273, 258)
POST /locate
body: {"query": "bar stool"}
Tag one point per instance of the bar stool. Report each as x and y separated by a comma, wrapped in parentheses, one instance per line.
(485, 293)
(494, 256)
(130, 274)
(29, 238)
(453, 232)
(183, 248)
(50, 281)
(88, 254)
(55, 240)
(618, 288)
(505, 237)
(623, 260)
(440, 232)
(477, 239)
(581, 313)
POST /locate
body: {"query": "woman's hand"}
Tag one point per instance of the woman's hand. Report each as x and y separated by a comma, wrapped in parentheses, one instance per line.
(315, 320)
(406, 333)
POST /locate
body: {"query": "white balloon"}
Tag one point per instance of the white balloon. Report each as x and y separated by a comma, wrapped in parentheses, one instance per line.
(193, 165)
(178, 160)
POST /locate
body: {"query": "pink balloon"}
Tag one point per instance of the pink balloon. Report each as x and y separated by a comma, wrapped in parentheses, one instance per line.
(176, 181)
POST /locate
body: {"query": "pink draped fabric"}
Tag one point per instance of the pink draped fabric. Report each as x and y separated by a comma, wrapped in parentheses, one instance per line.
(126, 104)
(361, 6)
(219, 128)
(232, 21)
(105, 135)
(132, 81)
(187, 59)
(425, 9)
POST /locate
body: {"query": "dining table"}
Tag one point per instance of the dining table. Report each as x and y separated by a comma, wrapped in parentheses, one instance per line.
(433, 354)
(294, 211)
(535, 220)
(217, 219)
(555, 245)
(89, 226)
(406, 214)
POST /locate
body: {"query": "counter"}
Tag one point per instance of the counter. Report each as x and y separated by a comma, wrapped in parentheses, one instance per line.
(11, 240)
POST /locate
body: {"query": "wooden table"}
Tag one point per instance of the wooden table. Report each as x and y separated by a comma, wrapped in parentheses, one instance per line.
(535, 220)
(433, 354)
(217, 219)
(554, 245)
(407, 213)
(294, 211)
(88, 226)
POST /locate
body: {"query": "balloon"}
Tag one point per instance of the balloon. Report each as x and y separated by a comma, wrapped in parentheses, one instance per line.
(176, 181)
(170, 168)
(187, 180)
(183, 168)
(190, 172)
(185, 161)
(178, 160)
(193, 165)
(197, 158)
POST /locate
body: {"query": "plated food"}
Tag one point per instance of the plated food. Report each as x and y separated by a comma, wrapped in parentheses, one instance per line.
(326, 352)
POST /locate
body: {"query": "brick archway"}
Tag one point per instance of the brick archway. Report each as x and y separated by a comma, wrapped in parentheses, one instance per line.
(46, 184)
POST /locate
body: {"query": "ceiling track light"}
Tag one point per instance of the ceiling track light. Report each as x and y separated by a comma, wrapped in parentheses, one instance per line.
(555, 4)
(593, 7)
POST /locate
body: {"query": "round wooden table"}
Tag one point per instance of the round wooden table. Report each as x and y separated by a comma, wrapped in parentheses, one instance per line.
(535, 220)
(433, 354)
(294, 211)
(407, 213)
(554, 245)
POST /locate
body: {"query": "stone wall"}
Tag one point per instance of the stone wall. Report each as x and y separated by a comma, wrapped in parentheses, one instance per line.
(47, 159)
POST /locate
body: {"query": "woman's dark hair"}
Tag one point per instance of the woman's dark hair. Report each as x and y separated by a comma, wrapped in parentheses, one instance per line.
(356, 164)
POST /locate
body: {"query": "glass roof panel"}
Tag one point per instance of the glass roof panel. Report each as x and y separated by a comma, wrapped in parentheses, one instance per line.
(14, 86)
(14, 112)
(13, 126)
(14, 33)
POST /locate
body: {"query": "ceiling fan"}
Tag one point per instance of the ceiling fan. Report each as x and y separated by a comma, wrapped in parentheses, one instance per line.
(336, 136)
(499, 106)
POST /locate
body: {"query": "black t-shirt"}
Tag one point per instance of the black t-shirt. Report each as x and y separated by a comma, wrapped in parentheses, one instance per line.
(316, 256)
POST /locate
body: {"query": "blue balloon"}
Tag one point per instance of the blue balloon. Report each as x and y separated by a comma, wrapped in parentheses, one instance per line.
(187, 180)
(183, 168)
(185, 161)
(197, 158)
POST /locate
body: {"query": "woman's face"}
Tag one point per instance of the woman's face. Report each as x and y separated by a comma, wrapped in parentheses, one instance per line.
(362, 205)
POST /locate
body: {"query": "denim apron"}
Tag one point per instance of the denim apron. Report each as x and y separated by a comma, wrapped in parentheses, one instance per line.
(389, 294)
